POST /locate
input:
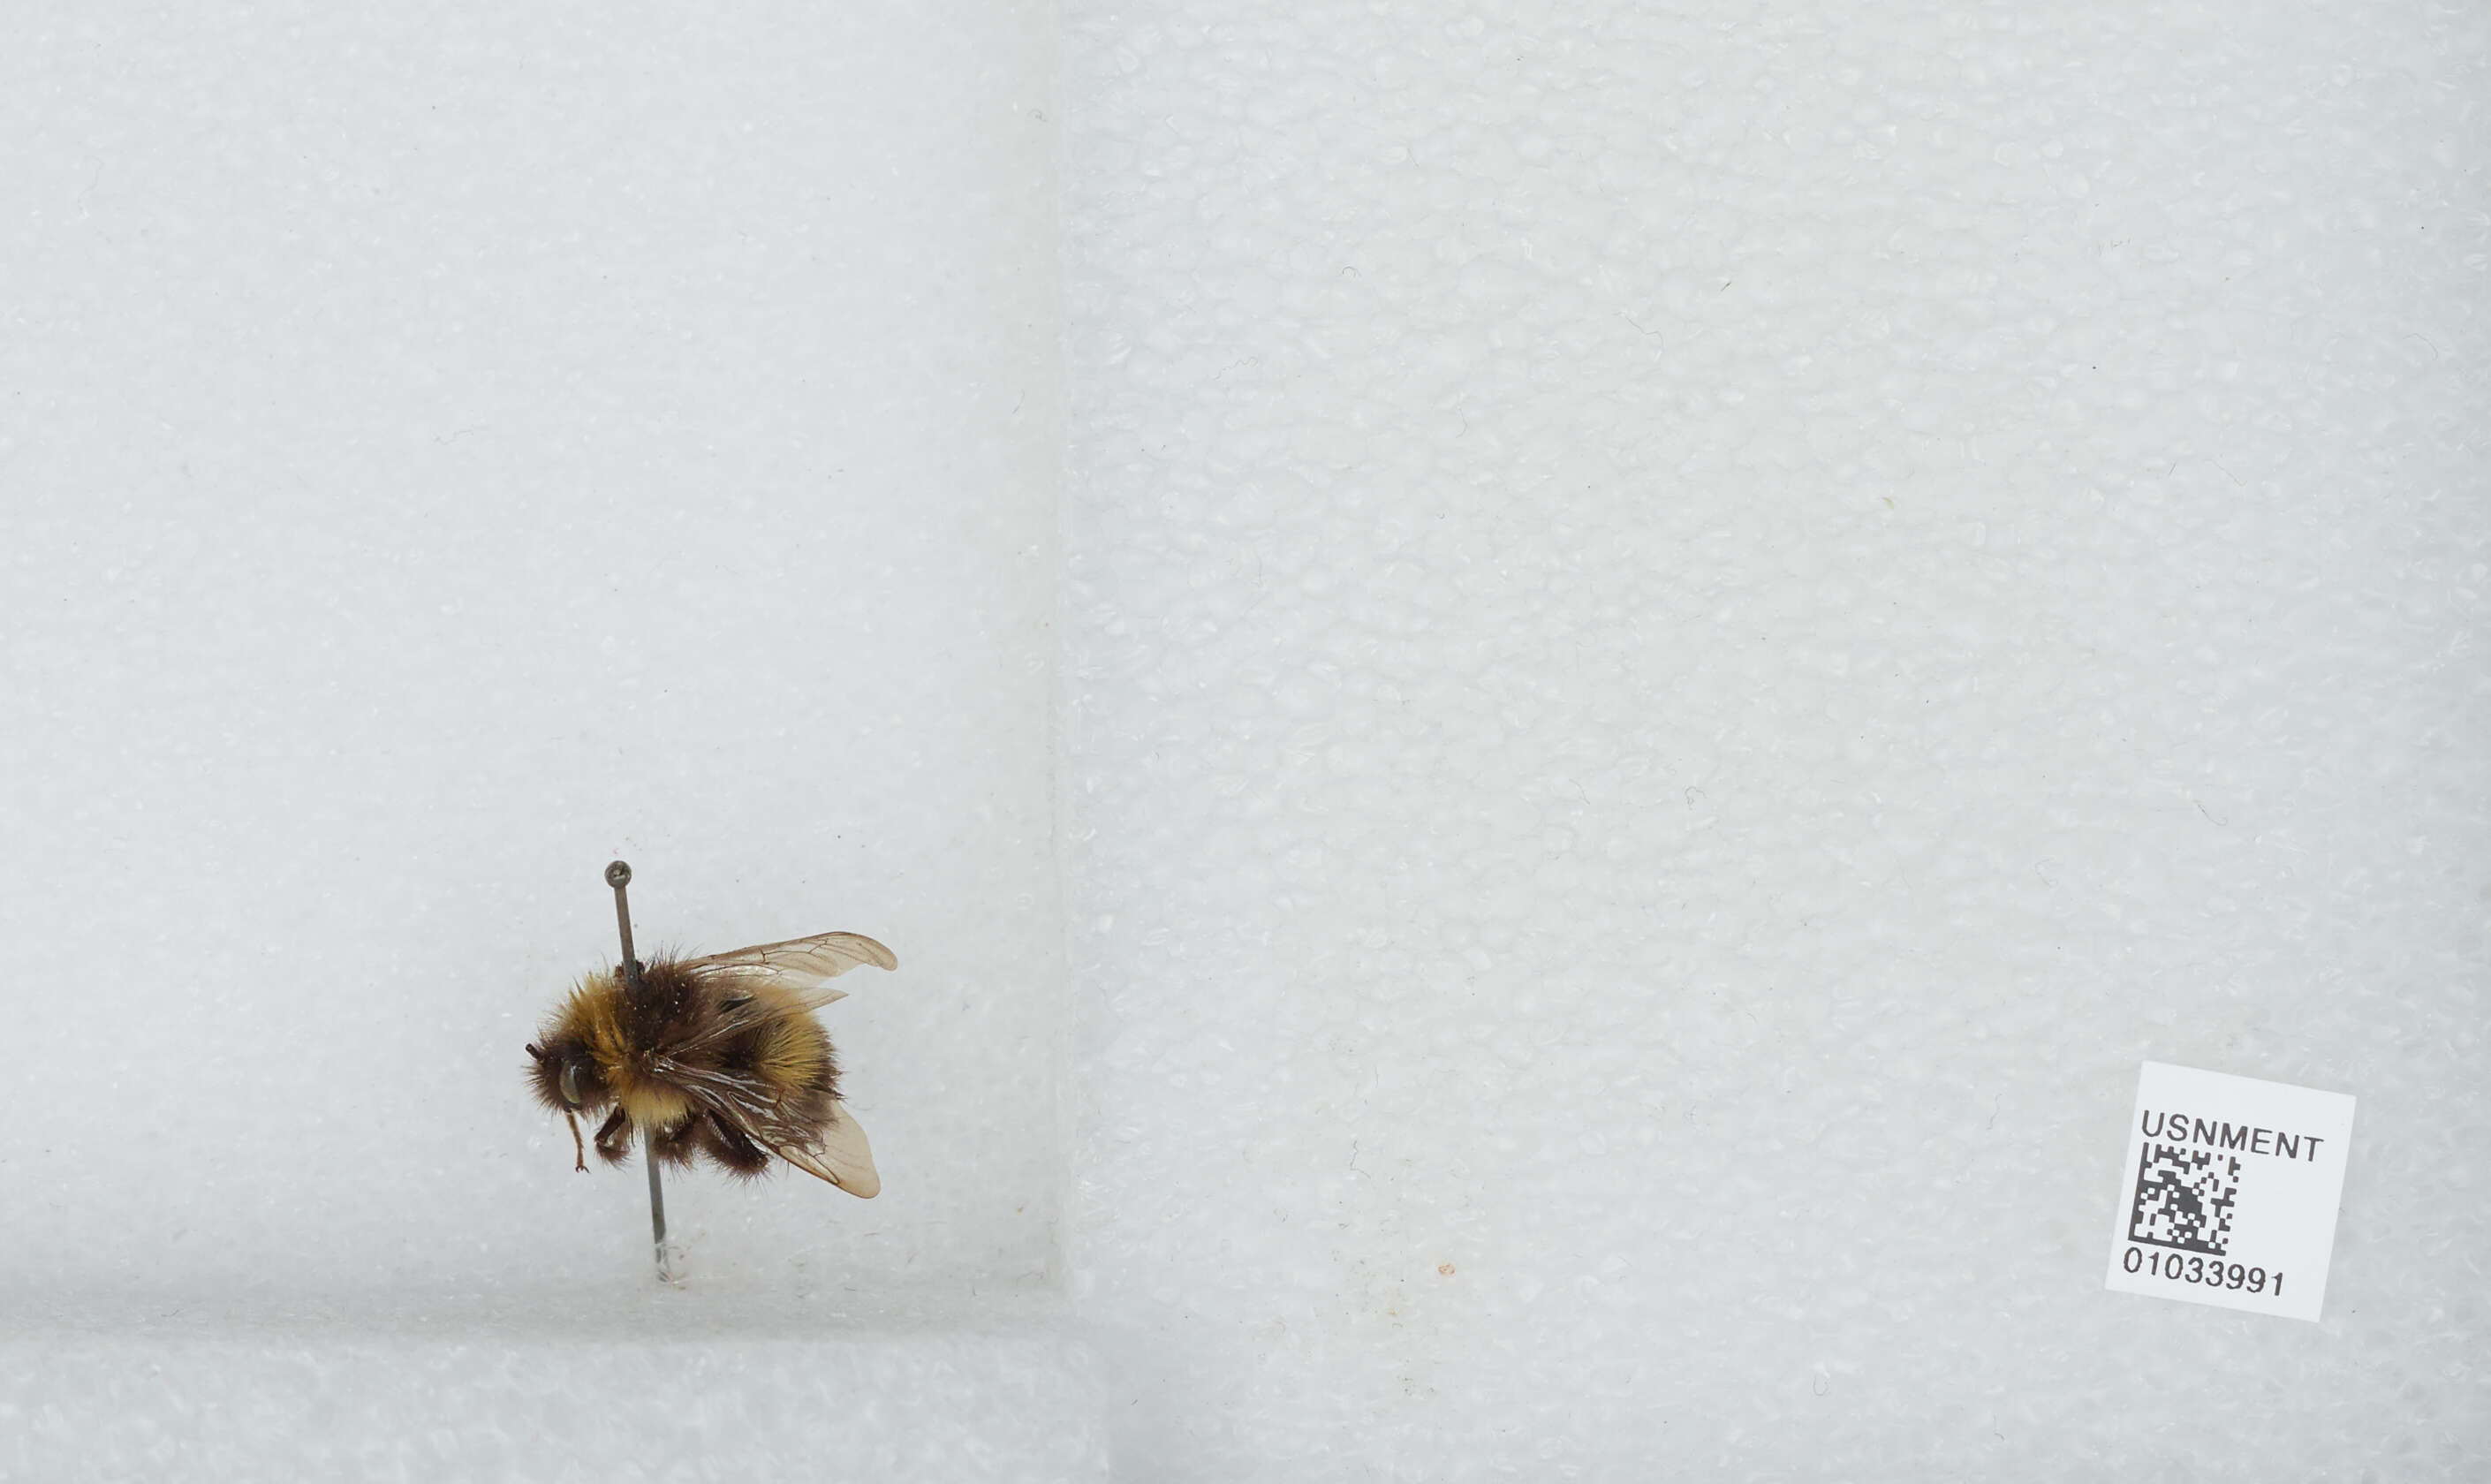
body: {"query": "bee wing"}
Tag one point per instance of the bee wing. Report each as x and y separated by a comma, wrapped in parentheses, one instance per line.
(801, 966)
(842, 1158)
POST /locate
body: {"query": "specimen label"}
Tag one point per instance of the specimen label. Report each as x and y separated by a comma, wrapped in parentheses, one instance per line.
(2229, 1191)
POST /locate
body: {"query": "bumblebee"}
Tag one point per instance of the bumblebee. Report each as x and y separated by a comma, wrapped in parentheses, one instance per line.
(718, 1057)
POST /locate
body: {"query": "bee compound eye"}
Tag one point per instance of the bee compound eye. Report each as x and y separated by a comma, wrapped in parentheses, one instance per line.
(570, 1084)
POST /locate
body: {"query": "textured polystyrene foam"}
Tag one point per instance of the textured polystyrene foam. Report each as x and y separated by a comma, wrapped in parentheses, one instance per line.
(1691, 630)
(510, 1395)
(441, 453)
(1696, 628)
(449, 455)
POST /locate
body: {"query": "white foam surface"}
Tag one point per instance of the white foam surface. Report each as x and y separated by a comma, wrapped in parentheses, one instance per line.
(445, 451)
(451, 452)
(1688, 634)
(1696, 628)
(657, 1385)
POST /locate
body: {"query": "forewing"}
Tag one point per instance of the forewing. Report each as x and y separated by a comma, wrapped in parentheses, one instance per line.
(802, 967)
(842, 1156)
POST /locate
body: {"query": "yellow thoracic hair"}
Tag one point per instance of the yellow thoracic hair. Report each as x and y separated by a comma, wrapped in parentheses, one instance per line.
(595, 1013)
(595, 1010)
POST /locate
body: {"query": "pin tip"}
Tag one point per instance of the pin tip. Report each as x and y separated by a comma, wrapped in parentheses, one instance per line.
(619, 873)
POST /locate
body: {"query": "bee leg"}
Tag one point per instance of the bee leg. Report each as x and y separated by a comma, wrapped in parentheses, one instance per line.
(731, 1146)
(614, 1138)
(674, 1146)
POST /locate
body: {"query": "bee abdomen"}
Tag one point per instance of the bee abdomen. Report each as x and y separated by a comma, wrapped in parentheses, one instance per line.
(792, 1055)
(731, 1147)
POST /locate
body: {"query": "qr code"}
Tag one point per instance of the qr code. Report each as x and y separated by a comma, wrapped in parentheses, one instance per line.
(2183, 1199)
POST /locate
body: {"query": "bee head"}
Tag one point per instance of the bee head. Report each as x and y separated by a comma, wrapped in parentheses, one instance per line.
(568, 1079)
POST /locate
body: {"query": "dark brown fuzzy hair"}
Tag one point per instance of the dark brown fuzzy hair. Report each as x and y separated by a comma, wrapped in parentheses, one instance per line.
(712, 1061)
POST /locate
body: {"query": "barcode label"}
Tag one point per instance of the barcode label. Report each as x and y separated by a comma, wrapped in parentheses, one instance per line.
(2230, 1191)
(2183, 1199)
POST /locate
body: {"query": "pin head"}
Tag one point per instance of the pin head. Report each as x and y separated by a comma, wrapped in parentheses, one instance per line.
(618, 874)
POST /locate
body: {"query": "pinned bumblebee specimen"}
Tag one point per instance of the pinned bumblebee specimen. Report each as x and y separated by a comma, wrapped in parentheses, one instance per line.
(718, 1056)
